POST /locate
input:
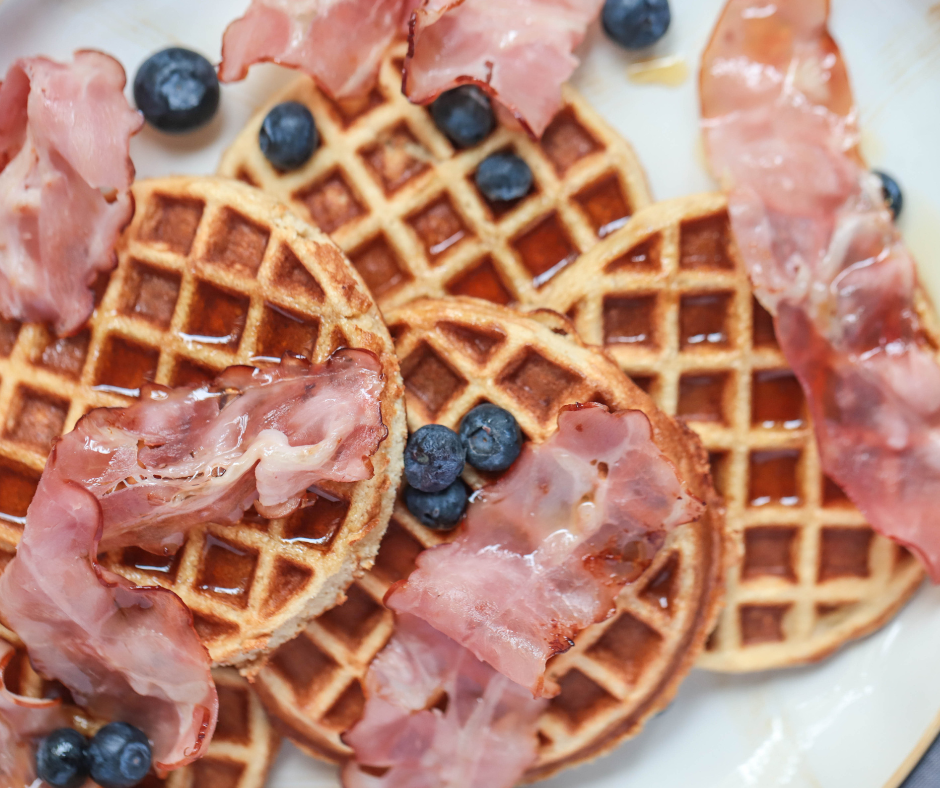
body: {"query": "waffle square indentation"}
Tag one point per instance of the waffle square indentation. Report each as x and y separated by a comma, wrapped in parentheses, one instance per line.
(215, 772)
(773, 477)
(719, 462)
(481, 281)
(605, 205)
(439, 227)
(703, 397)
(704, 243)
(17, 487)
(647, 383)
(379, 266)
(238, 243)
(171, 222)
(351, 109)
(290, 274)
(644, 256)
(628, 646)
(770, 551)
(9, 331)
(288, 581)
(663, 587)
(630, 320)
(844, 552)
(347, 709)
(397, 554)
(704, 320)
(545, 249)
(395, 158)
(430, 379)
(227, 570)
(151, 293)
(217, 317)
(581, 699)
(354, 619)
(162, 568)
(762, 623)
(66, 355)
(283, 331)
(331, 202)
(36, 419)
(764, 336)
(566, 141)
(234, 714)
(542, 386)
(189, 373)
(777, 399)
(833, 494)
(316, 526)
(304, 666)
(478, 343)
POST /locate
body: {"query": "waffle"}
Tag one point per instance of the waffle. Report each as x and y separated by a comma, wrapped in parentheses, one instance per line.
(239, 755)
(670, 299)
(456, 354)
(401, 202)
(211, 273)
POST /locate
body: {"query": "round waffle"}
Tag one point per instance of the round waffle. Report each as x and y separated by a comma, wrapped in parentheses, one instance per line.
(241, 751)
(212, 273)
(402, 203)
(669, 298)
(455, 354)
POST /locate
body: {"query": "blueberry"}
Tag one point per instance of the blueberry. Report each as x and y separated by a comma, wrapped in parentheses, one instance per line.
(177, 90)
(635, 24)
(288, 136)
(61, 759)
(119, 756)
(492, 438)
(503, 176)
(891, 192)
(438, 510)
(464, 114)
(434, 458)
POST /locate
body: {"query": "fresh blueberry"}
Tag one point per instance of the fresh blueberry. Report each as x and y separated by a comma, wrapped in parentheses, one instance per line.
(635, 24)
(177, 90)
(434, 458)
(464, 114)
(61, 759)
(440, 511)
(119, 756)
(503, 176)
(492, 438)
(891, 192)
(288, 136)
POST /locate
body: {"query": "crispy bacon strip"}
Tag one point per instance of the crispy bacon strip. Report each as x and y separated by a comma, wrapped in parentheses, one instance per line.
(65, 176)
(519, 51)
(146, 474)
(826, 259)
(484, 737)
(546, 549)
(340, 43)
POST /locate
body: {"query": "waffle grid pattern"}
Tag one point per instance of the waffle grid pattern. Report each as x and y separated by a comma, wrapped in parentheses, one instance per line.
(401, 202)
(669, 298)
(209, 275)
(455, 355)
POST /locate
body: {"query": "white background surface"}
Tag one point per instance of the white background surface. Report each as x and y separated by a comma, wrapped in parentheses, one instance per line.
(851, 721)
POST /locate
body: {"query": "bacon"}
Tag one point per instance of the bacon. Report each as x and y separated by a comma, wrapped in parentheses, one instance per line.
(145, 475)
(826, 259)
(340, 43)
(485, 736)
(65, 176)
(546, 550)
(21, 720)
(519, 51)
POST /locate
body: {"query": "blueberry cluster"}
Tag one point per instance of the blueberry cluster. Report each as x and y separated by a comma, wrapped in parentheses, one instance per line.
(489, 439)
(118, 756)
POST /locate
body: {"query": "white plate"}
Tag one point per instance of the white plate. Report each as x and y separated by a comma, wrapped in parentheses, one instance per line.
(860, 718)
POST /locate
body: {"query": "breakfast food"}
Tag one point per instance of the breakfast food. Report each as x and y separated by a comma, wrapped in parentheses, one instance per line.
(669, 297)
(177, 90)
(826, 259)
(457, 353)
(65, 175)
(635, 24)
(393, 193)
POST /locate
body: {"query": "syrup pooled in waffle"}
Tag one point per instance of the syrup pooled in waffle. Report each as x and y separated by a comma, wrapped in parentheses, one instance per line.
(212, 273)
(456, 354)
(239, 755)
(402, 203)
(669, 298)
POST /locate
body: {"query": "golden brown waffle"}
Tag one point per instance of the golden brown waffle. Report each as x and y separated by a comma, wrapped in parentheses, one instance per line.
(239, 755)
(455, 354)
(401, 202)
(669, 298)
(212, 273)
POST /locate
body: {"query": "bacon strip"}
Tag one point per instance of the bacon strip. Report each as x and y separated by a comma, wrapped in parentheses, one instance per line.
(519, 51)
(65, 176)
(485, 737)
(146, 474)
(340, 43)
(826, 259)
(546, 549)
